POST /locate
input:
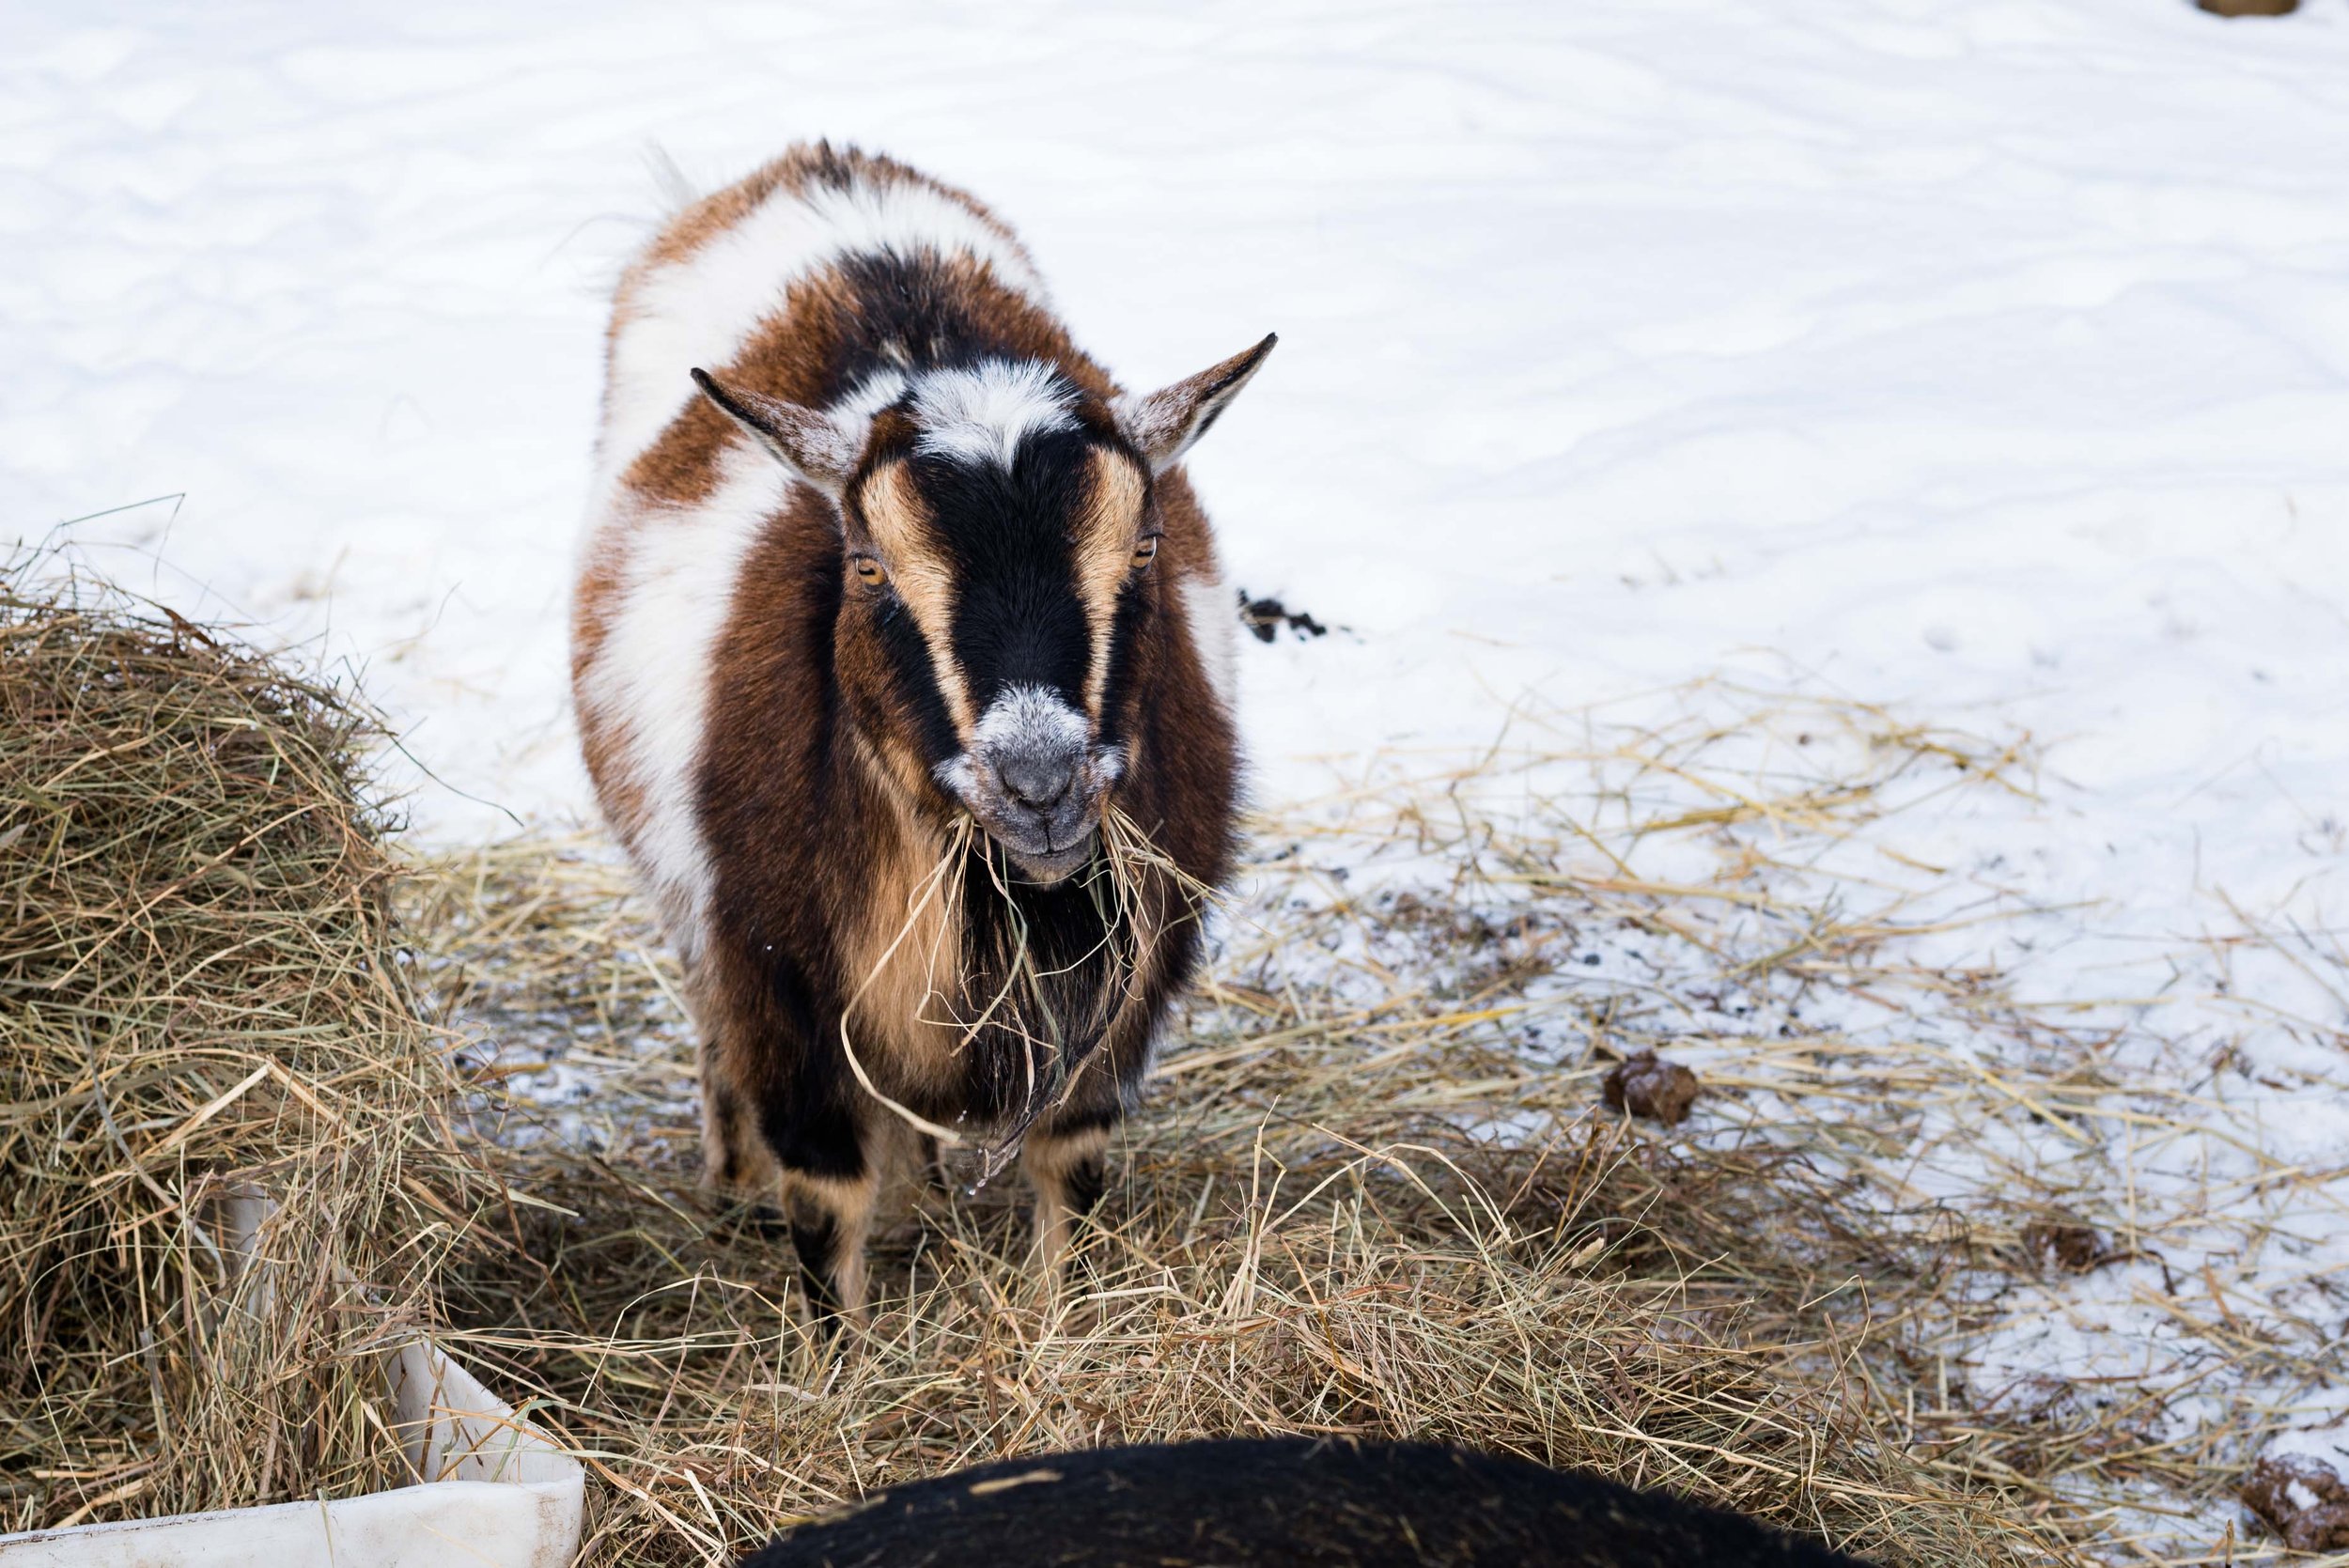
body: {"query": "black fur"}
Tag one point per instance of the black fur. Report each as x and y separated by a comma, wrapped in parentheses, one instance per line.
(1018, 620)
(916, 683)
(1288, 1502)
(1085, 1181)
(817, 1240)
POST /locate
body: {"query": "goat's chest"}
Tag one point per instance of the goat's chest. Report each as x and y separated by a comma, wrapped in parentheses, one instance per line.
(974, 1004)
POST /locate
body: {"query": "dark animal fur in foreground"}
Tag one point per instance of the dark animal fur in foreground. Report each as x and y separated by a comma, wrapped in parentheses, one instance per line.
(1289, 1502)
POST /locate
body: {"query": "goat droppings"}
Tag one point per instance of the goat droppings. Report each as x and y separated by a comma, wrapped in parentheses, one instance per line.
(1647, 1085)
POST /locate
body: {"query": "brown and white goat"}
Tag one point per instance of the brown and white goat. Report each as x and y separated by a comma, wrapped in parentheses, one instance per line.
(920, 738)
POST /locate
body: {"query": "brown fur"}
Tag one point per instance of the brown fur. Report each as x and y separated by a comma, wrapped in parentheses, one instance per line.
(841, 884)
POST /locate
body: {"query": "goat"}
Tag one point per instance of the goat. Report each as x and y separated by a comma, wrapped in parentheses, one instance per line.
(1280, 1504)
(903, 672)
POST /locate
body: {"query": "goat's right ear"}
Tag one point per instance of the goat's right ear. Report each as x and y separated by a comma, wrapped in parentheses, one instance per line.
(1164, 423)
(813, 445)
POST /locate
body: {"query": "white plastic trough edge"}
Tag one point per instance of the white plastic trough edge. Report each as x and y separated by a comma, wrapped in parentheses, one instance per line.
(498, 1493)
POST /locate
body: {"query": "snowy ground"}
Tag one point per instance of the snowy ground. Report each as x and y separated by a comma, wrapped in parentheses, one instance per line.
(1989, 358)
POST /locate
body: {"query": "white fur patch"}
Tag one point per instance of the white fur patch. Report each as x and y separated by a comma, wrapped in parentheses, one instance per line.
(868, 397)
(651, 676)
(1214, 633)
(980, 414)
(704, 310)
(959, 776)
(1031, 719)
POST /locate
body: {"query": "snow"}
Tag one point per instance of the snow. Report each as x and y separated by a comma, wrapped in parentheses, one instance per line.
(1986, 358)
(2330, 1447)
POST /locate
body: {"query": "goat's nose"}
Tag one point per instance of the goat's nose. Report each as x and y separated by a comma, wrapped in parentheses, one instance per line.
(1038, 778)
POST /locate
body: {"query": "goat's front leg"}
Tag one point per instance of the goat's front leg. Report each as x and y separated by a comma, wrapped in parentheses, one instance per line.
(1068, 1166)
(800, 1152)
(831, 1218)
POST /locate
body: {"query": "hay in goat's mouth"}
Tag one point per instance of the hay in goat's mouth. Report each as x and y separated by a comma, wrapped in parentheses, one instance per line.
(1009, 989)
(201, 998)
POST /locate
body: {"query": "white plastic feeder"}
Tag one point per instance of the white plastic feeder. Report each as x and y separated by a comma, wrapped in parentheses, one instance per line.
(493, 1491)
(497, 1493)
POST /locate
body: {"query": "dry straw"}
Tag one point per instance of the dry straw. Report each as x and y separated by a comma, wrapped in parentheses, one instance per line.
(1370, 1190)
(1360, 1198)
(201, 999)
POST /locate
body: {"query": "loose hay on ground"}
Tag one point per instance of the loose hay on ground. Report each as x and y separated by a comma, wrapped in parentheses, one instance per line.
(1371, 1191)
(1372, 1188)
(1359, 1198)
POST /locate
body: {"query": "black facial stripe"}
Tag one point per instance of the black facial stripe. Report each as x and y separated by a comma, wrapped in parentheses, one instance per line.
(916, 681)
(1019, 619)
(1133, 603)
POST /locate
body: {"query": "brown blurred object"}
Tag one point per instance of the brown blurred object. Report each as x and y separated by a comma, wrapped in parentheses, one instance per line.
(2249, 8)
(2067, 1243)
(2274, 1492)
(1647, 1085)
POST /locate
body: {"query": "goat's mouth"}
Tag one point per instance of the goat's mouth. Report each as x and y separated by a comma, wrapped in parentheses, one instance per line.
(1044, 849)
(1047, 866)
(1046, 834)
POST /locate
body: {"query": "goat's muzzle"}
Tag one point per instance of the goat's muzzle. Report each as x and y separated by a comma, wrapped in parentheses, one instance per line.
(1036, 781)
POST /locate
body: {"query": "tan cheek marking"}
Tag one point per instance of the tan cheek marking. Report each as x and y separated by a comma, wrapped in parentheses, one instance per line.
(890, 759)
(904, 996)
(1105, 553)
(900, 524)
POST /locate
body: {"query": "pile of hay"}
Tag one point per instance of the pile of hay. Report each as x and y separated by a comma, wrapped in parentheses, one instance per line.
(202, 1000)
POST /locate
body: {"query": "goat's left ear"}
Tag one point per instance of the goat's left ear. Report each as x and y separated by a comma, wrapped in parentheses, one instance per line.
(1165, 423)
(813, 445)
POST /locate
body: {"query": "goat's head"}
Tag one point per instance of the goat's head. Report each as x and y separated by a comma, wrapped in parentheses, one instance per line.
(999, 528)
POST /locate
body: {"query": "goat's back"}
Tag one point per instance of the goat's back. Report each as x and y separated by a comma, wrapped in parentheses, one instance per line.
(750, 281)
(1288, 1502)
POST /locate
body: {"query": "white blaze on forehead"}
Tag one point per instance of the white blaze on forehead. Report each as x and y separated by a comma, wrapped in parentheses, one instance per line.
(981, 414)
(868, 397)
(704, 309)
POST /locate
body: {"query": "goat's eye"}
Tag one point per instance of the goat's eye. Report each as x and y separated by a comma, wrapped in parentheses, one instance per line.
(869, 571)
(1145, 553)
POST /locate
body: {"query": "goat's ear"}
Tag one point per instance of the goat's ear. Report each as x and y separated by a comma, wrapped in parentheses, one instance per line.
(813, 445)
(1165, 423)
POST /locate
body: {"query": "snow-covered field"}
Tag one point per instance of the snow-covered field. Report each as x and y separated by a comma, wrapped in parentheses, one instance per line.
(1985, 358)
